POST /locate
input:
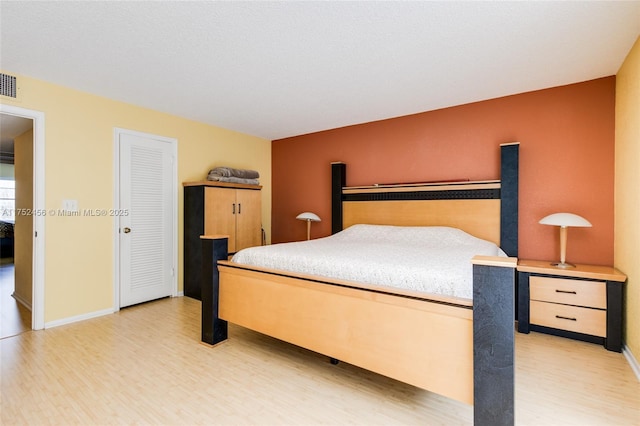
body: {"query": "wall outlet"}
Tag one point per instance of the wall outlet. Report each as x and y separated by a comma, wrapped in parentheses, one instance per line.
(70, 205)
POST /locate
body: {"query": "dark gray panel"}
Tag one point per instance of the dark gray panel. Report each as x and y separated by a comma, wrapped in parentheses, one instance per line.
(214, 329)
(493, 345)
(509, 181)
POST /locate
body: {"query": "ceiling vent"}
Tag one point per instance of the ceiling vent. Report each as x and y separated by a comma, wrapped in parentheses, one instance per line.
(8, 86)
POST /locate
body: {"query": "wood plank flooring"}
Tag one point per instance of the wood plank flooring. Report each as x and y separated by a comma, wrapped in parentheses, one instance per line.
(146, 366)
(14, 317)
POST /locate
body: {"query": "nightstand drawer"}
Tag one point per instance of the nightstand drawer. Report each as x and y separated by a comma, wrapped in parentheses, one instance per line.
(570, 318)
(592, 294)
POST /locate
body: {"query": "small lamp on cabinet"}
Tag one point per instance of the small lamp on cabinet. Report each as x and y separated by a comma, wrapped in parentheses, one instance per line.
(564, 221)
(309, 217)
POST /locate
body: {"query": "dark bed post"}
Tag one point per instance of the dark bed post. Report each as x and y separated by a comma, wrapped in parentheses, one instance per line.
(214, 248)
(509, 181)
(509, 171)
(338, 181)
(493, 341)
(494, 295)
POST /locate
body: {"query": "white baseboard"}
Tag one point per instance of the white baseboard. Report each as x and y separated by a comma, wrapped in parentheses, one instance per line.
(633, 362)
(83, 317)
(21, 300)
(70, 320)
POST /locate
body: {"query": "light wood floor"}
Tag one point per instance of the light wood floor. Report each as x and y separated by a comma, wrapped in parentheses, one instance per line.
(146, 365)
(14, 317)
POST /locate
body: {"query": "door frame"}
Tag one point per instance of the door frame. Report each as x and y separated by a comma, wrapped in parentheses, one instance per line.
(117, 131)
(38, 259)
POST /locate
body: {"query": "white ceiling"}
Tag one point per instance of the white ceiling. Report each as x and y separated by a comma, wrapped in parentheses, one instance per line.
(279, 69)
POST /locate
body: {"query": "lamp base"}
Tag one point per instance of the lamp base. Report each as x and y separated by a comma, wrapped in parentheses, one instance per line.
(563, 265)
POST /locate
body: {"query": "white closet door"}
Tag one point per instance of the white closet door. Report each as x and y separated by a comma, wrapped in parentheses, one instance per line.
(146, 218)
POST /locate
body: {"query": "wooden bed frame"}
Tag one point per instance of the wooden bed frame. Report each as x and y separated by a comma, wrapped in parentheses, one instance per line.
(455, 347)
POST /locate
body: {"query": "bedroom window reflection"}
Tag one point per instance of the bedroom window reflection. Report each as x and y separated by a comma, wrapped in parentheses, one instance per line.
(7, 200)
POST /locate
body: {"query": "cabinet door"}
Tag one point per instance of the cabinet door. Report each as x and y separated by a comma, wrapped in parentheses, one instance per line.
(220, 213)
(249, 218)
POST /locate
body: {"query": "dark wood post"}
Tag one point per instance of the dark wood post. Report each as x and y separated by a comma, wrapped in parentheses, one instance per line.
(509, 183)
(214, 248)
(493, 341)
(338, 180)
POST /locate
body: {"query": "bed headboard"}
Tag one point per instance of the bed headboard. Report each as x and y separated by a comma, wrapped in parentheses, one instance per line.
(485, 209)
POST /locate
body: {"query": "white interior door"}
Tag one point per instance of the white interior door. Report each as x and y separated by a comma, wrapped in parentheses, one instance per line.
(146, 216)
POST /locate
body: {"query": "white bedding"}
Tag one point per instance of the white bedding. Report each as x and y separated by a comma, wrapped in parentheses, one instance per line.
(430, 259)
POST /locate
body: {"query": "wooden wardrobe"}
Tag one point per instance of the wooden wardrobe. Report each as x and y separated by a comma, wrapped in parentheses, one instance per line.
(218, 208)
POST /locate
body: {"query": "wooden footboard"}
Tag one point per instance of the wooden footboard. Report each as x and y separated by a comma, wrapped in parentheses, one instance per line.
(448, 348)
(391, 335)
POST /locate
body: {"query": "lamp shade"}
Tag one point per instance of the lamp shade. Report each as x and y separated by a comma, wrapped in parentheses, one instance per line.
(308, 216)
(565, 219)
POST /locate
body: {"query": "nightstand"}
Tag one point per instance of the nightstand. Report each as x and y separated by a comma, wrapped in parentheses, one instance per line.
(583, 303)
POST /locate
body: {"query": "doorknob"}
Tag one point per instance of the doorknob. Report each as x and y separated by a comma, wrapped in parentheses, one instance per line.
(127, 230)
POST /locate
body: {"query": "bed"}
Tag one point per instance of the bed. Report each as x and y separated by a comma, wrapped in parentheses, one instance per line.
(457, 345)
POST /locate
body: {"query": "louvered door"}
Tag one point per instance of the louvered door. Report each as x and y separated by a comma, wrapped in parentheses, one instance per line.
(146, 237)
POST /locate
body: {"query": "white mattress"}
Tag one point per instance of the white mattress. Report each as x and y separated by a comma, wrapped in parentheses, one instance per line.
(433, 259)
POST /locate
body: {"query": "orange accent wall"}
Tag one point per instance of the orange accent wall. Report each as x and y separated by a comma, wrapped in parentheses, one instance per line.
(566, 137)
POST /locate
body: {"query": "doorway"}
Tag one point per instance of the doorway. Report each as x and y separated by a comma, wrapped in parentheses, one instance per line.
(22, 260)
(16, 166)
(146, 217)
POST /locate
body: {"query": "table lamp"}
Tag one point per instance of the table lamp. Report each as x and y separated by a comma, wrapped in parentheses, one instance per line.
(309, 217)
(564, 221)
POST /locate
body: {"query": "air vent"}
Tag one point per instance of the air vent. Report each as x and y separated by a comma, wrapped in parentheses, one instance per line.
(8, 86)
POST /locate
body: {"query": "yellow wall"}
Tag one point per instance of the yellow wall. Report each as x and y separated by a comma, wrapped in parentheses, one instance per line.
(627, 191)
(23, 252)
(79, 164)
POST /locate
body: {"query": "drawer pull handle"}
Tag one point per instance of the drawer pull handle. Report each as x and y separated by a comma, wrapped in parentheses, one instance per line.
(566, 292)
(565, 318)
